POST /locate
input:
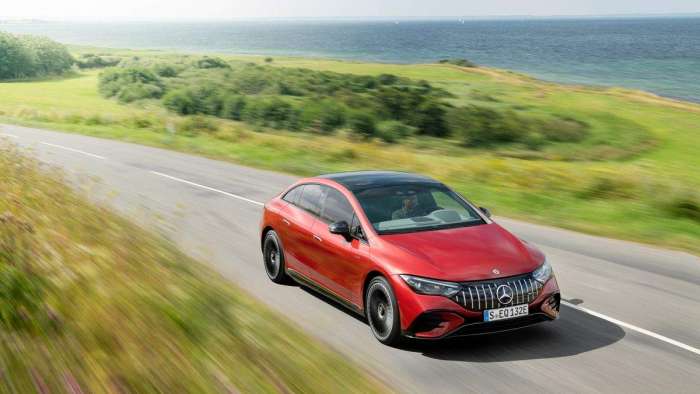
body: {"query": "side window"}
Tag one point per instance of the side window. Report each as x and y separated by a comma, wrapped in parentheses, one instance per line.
(336, 207)
(310, 199)
(356, 228)
(292, 196)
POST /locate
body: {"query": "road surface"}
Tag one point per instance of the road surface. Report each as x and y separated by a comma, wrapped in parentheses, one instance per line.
(636, 326)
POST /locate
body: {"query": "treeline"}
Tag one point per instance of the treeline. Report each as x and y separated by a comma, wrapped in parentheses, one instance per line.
(383, 106)
(30, 56)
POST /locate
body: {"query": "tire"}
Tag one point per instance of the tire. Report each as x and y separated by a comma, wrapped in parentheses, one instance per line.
(382, 312)
(273, 257)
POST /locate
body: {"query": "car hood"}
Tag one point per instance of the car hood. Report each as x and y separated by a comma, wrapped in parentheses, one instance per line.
(467, 253)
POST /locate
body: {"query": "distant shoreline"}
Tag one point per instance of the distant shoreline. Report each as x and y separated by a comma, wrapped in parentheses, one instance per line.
(657, 54)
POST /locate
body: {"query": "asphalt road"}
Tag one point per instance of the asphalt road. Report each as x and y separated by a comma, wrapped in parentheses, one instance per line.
(639, 332)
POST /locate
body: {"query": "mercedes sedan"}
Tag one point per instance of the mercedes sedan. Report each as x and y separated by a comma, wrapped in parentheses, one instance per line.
(415, 258)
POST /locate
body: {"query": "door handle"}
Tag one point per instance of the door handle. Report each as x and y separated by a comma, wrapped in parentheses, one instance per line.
(317, 238)
(285, 221)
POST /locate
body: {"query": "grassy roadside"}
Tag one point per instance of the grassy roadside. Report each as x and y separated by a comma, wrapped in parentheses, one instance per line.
(636, 178)
(91, 303)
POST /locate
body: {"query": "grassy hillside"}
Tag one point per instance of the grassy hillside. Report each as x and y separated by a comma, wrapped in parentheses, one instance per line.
(634, 176)
(91, 303)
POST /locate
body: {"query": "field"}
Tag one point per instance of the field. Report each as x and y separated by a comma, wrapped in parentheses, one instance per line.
(89, 302)
(633, 177)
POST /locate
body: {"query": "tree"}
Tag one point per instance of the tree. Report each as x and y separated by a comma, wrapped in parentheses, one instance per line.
(16, 60)
(50, 57)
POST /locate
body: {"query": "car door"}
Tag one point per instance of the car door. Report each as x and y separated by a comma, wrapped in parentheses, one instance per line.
(340, 262)
(298, 219)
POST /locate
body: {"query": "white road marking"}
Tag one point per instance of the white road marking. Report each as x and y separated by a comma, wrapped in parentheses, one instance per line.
(207, 188)
(634, 328)
(9, 135)
(73, 150)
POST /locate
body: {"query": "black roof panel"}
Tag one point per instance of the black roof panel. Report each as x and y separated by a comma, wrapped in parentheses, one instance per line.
(360, 180)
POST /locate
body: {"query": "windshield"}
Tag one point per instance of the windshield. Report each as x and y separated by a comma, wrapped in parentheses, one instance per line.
(415, 207)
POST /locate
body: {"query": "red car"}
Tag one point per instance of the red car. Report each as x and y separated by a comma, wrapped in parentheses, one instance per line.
(411, 255)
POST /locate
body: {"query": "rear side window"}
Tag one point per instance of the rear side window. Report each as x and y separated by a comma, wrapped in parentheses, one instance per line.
(292, 196)
(311, 198)
(336, 207)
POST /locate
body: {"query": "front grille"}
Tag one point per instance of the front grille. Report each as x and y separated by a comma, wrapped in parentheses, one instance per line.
(481, 295)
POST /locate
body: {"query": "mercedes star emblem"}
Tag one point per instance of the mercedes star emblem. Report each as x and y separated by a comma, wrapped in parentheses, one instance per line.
(504, 293)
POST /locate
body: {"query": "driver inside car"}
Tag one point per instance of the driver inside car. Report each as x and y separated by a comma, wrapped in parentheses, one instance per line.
(409, 209)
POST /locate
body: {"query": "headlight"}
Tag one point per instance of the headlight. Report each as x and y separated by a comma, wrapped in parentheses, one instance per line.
(431, 286)
(543, 273)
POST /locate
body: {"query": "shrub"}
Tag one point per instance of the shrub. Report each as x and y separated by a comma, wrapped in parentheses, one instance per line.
(194, 125)
(481, 126)
(268, 60)
(89, 60)
(21, 296)
(393, 130)
(322, 116)
(211, 62)
(534, 140)
(429, 118)
(139, 91)
(232, 107)
(562, 129)
(274, 112)
(165, 70)
(130, 84)
(362, 124)
(458, 62)
(387, 79)
(683, 204)
(609, 185)
(181, 102)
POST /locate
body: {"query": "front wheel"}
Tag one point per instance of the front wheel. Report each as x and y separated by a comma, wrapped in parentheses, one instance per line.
(383, 311)
(273, 256)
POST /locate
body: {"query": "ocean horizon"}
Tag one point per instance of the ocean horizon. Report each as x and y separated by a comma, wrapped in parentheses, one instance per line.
(656, 54)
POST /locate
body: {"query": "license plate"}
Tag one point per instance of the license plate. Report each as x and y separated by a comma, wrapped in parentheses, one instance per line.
(505, 313)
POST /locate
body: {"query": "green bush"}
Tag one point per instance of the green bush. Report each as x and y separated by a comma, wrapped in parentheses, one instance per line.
(232, 107)
(392, 131)
(362, 124)
(211, 62)
(138, 91)
(683, 204)
(90, 60)
(194, 125)
(561, 129)
(273, 112)
(181, 102)
(165, 70)
(387, 79)
(458, 62)
(322, 116)
(21, 296)
(429, 118)
(480, 126)
(130, 84)
(534, 140)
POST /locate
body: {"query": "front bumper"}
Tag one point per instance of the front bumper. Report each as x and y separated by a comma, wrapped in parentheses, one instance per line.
(435, 317)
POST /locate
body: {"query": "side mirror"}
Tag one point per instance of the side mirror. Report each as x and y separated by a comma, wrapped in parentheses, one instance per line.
(340, 228)
(485, 211)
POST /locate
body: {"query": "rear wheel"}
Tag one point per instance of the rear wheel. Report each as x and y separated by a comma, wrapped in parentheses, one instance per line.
(273, 256)
(383, 311)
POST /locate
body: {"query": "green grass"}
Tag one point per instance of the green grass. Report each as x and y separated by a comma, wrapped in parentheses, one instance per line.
(89, 302)
(630, 179)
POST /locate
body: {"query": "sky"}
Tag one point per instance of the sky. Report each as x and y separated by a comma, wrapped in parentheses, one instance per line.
(233, 9)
